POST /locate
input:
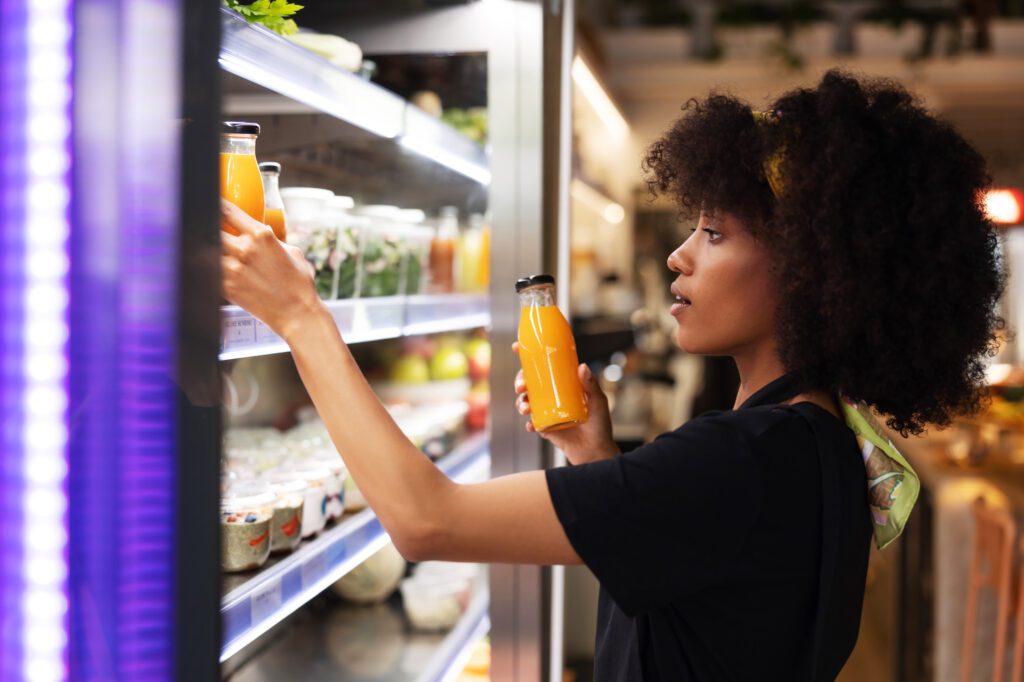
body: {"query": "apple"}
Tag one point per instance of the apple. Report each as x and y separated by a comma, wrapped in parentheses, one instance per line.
(479, 401)
(478, 352)
(410, 369)
(447, 364)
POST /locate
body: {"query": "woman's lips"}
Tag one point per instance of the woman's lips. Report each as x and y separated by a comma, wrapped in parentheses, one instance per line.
(679, 307)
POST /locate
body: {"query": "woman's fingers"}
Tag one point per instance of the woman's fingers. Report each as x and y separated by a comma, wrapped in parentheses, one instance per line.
(240, 220)
(523, 404)
(520, 382)
(233, 245)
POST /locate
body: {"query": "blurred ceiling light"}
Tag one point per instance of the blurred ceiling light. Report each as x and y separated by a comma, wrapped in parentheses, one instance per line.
(611, 211)
(1004, 206)
(598, 98)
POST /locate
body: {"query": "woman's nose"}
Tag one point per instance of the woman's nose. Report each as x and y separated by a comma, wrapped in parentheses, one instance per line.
(678, 261)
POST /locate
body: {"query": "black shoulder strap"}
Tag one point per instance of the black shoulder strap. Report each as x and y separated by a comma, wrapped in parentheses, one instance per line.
(830, 506)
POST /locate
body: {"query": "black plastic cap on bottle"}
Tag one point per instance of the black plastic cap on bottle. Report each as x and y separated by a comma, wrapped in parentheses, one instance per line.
(239, 128)
(524, 282)
(270, 167)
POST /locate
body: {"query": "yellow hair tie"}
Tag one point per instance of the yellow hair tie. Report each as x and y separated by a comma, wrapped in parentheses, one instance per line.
(773, 165)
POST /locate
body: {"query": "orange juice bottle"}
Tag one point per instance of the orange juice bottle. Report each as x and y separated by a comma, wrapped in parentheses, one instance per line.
(271, 172)
(547, 352)
(240, 180)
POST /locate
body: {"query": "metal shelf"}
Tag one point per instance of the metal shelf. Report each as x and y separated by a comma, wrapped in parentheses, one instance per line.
(261, 602)
(360, 321)
(266, 59)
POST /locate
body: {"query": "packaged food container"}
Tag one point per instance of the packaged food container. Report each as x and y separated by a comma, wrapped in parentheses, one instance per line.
(311, 230)
(416, 271)
(314, 509)
(303, 204)
(382, 251)
(435, 602)
(344, 259)
(245, 529)
(335, 487)
(354, 500)
(286, 525)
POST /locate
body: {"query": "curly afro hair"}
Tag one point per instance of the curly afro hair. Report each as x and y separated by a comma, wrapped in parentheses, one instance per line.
(887, 265)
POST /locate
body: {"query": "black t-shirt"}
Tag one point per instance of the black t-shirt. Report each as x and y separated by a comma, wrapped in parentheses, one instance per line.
(707, 545)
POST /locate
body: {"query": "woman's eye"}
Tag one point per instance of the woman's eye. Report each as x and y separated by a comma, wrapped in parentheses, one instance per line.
(713, 235)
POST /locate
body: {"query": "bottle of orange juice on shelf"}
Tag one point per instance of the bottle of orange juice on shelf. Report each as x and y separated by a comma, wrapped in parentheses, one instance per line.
(271, 172)
(547, 352)
(240, 180)
(442, 252)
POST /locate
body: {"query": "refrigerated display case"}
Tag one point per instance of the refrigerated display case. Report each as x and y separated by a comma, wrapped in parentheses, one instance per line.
(335, 130)
(141, 88)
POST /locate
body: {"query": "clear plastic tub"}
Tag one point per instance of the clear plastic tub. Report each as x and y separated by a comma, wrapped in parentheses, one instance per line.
(245, 528)
(344, 259)
(314, 508)
(314, 234)
(382, 251)
(286, 526)
(435, 603)
(416, 273)
(335, 485)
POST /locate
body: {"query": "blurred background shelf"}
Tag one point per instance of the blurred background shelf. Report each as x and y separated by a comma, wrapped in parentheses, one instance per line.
(361, 320)
(253, 603)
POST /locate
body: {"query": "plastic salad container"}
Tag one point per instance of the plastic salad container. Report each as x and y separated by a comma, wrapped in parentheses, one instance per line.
(311, 230)
(245, 517)
(344, 259)
(382, 251)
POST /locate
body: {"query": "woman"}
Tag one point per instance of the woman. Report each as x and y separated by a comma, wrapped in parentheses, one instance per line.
(840, 250)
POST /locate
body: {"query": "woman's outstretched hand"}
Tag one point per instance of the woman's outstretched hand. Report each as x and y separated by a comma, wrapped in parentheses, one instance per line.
(588, 442)
(267, 277)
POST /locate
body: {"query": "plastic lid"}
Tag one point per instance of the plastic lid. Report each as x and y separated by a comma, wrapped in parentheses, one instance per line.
(306, 193)
(412, 215)
(379, 211)
(270, 167)
(340, 201)
(525, 282)
(246, 497)
(239, 128)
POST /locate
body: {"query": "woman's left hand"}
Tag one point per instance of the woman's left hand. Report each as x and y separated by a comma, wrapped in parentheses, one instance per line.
(267, 277)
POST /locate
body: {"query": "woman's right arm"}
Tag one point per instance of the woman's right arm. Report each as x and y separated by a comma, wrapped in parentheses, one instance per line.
(588, 442)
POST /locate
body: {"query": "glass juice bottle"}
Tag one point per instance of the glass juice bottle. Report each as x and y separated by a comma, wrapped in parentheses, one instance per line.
(240, 180)
(547, 352)
(271, 172)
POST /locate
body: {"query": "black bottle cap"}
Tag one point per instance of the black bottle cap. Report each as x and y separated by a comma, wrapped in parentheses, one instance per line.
(270, 167)
(239, 128)
(524, 282)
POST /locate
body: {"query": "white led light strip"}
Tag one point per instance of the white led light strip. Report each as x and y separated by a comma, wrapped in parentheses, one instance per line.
(47, 135)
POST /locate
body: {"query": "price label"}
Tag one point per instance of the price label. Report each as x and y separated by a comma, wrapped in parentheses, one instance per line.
(266, 601)
(264, 333)
(313, 570)
(239, 332)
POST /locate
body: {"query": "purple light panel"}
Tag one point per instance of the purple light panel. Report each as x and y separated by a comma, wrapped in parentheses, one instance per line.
(35, 135)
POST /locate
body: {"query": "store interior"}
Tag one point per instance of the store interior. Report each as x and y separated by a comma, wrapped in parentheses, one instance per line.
(423, 155)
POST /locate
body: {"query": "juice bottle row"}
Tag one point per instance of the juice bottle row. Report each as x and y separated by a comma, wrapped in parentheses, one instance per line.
(366, 251)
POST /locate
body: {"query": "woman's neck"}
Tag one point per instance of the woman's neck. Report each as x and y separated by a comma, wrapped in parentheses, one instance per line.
(761, 366)
(757, 367)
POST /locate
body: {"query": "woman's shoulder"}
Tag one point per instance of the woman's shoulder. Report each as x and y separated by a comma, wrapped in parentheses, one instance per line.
(750, 424)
